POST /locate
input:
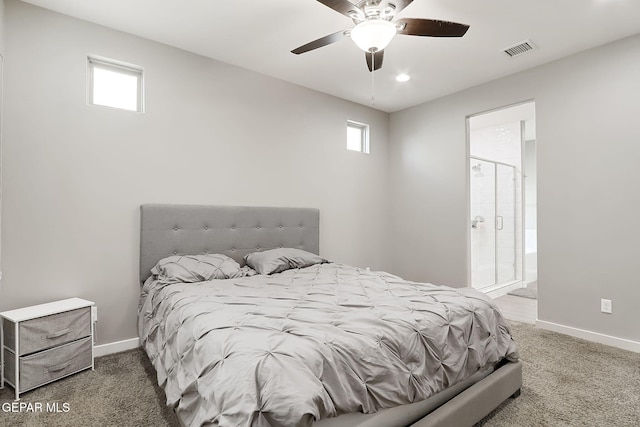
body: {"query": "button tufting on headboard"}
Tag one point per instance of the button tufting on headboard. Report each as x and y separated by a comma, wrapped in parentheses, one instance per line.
(232, 230)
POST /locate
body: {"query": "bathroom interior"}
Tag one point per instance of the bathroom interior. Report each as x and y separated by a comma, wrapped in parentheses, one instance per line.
(502, 201)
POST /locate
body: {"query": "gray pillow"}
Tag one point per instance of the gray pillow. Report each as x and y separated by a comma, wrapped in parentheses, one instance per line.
(196, 268)
(277, 260)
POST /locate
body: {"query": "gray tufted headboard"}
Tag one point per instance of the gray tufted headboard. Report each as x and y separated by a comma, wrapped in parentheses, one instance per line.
(235, 231)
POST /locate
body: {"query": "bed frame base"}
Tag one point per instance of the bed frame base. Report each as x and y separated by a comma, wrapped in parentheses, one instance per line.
(477, 401)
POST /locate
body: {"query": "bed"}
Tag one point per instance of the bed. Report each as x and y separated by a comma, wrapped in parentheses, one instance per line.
(321, 344)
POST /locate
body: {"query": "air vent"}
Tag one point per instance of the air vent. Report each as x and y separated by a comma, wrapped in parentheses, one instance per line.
(520, 48)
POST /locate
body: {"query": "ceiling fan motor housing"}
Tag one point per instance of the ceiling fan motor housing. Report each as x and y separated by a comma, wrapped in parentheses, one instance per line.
(375, 9)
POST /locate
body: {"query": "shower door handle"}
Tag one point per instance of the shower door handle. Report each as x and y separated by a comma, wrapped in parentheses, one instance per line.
(499, 222)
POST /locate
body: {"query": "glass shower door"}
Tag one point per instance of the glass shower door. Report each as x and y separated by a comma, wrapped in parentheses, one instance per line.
(483, 225)
(493, 223)
(505, 223)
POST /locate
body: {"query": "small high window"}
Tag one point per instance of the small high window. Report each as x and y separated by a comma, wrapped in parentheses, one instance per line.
(114, 84)
(357, 136)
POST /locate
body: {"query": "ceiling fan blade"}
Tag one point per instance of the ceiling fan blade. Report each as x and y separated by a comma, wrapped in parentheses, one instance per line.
(323, 41)
(344, 7)
(377, 60)
(430, 27)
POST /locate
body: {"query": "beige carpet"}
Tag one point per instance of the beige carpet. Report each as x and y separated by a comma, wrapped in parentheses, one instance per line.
(567, 382)
(122, 392)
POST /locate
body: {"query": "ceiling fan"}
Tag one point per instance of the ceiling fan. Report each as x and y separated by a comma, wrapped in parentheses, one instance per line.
(375, 27)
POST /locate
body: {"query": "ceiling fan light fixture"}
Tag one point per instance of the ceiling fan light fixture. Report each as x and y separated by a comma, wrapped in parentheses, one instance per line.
(373, 35)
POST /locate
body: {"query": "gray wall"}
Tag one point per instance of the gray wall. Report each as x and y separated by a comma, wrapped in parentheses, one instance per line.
(212, 133)
(1, 118)
(588, 138)
(75, 175)
(2, 27)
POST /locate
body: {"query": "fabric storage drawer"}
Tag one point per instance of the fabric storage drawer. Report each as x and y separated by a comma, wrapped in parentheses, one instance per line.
(48, 331)
(10, 366)
(49, 365)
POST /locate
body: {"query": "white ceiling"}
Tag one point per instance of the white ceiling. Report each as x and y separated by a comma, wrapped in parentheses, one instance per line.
(259, 35)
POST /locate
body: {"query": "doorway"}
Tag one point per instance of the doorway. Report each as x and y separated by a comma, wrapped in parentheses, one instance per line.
(502, 199)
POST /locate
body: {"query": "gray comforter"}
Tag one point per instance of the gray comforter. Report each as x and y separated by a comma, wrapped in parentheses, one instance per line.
(294, 347)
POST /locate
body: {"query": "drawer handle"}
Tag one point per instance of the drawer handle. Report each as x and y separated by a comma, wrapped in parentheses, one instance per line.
(58, 334)
(59, 367)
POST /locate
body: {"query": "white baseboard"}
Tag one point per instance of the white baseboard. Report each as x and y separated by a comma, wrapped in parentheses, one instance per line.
(622, 343)
(116, 347)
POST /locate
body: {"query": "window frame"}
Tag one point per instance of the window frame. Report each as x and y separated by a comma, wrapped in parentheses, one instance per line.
(364, 139)
(118, 67)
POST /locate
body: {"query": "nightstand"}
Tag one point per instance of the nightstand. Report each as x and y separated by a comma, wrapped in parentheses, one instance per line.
(43, 343)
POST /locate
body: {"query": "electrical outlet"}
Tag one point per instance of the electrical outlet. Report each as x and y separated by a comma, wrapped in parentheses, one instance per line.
(606, 306)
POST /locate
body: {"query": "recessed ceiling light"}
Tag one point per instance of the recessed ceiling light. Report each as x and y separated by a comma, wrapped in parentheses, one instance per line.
(403, 77)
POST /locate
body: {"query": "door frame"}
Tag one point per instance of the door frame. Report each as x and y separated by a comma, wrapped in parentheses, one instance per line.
(502, 289)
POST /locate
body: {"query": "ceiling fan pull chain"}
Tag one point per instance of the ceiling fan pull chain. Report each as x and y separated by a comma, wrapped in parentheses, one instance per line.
(373, 98)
